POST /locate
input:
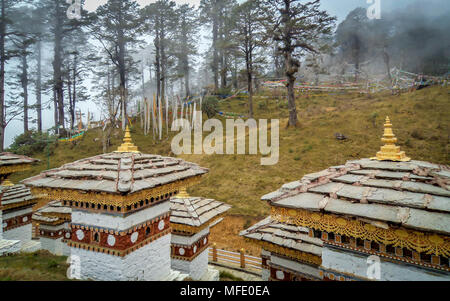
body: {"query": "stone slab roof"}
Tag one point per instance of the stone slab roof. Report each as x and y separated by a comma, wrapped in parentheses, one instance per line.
(414, 194)
(13, 159)
(195, 211)
(117, 173)
(14, 194)
(288, 236)
(49, 213)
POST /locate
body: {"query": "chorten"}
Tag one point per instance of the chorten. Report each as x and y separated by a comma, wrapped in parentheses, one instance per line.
(120, 227)
(389, 151)
(191, 219)
(16, 207)
(52, 227)
(368, 219)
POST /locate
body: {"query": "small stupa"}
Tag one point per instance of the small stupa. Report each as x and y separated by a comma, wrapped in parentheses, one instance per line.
(120, 225)
(389, 151)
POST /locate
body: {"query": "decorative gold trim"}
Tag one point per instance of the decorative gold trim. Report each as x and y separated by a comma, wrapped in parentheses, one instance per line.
(109, 199)
(291, 253)
(18, 205)
(9, 169)
(413, 240)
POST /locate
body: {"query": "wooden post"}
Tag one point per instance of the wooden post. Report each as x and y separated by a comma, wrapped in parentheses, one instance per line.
(242, 258)
(214, 252)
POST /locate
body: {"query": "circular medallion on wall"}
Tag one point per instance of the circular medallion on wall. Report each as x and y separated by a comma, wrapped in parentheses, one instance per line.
(195, 249)
(25, 219)
(280, 275)
(59, 233)
(80, 234)
(134, 237)
(42, 232)
(181, 251)
(67, 235)
(51, 234)
(161, 225)
(205, 241)
(111, 240)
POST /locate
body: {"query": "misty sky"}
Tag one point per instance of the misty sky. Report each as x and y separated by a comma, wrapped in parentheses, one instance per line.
(338, 8)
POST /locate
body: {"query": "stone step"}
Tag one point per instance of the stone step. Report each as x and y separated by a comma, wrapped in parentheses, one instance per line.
(31, 246)
(8, 247)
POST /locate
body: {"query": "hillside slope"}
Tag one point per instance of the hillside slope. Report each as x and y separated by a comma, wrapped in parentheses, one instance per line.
(421, 122)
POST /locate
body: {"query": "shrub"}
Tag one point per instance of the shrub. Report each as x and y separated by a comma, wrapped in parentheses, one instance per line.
(30, 143)
(210, 106)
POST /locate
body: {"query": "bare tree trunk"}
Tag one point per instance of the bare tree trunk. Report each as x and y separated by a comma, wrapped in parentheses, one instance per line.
(39, 87)
(57, 74)
(215, 65)
(24, 82)
(388, 67)
(2, 76)
(291, 68)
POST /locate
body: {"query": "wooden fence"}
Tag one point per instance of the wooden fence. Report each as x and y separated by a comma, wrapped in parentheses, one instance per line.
(235, 259)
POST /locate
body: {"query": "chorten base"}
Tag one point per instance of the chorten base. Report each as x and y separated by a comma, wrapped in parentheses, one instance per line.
(31, 246)
(211, 275)
(8, 247)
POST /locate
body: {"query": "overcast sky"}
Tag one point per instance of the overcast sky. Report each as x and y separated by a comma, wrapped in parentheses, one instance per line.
(338, 8)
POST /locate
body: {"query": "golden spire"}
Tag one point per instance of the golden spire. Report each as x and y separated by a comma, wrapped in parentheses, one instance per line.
(182, 194)
(390, 151)
(127, 145)
(7, 183)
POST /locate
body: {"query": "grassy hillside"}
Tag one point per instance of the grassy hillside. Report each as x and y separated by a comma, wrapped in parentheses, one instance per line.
(39, 266)
(421, 122)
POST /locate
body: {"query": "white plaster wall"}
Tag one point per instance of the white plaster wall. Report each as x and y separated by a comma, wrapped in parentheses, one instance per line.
(55, 246)
(295, 266)
(21, 233)
(189, 240)
(195, 268)
(119, 223)
(265, 274)
(356, 264)
(149, 263)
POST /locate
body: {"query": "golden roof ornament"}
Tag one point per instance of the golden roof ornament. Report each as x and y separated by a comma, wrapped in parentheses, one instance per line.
(7, 183)
(127, 145)
(183, 194)
(389, 151)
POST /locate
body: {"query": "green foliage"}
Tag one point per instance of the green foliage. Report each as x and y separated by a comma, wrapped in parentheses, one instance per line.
(227, 276)
(224, 92)
(210, 106)
(30, 143)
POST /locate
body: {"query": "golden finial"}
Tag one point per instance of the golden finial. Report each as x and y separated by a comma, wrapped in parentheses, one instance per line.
(390, 151)
(7, 183)
(127, 145)
(183, 194)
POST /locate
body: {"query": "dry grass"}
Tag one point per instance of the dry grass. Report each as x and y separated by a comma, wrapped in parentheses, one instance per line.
(226, 235)
(39, 266)
(421, 122)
